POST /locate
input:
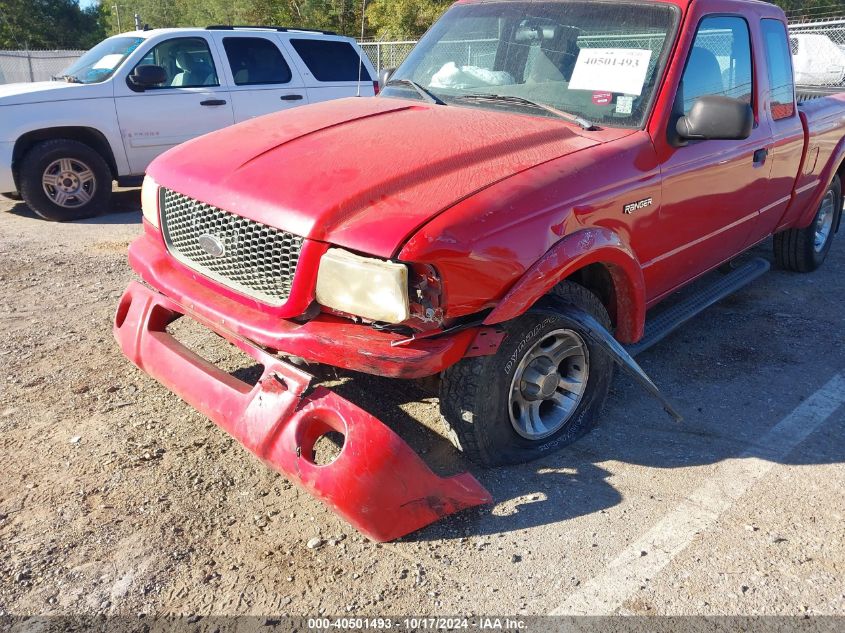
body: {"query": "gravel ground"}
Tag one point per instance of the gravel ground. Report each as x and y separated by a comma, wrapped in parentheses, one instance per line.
(117, 498)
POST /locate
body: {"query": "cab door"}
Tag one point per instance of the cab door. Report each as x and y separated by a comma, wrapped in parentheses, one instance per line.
(712, 190)
(262, 77)
(787, 130)
(192, 101)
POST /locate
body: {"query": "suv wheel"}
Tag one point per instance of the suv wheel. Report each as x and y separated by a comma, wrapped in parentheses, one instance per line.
(65, 180)
(804, 250)
(543, 389)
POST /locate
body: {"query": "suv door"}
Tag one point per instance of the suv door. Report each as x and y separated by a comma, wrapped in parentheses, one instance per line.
(712, 190)
(262, 78)
(192, 101)
(331, 67)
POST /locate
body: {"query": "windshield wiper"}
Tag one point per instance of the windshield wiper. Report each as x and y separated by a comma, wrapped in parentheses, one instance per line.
(485, 96)
(71, 79)
(425, 94)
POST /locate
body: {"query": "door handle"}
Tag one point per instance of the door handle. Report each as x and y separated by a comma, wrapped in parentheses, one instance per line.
(760, 156)
(291, 97)
(213, 102)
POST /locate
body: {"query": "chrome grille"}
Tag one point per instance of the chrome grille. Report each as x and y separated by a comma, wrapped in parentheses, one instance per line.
(257, 260)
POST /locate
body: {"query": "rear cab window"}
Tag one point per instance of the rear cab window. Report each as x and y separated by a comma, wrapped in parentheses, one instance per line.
(779, 63)
(331, 61)
(256, 61)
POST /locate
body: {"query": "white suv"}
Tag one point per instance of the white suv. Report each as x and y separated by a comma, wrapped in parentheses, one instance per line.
(136, 95)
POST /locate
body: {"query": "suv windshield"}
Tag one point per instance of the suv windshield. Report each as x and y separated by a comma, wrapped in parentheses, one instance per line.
(594, 60)
(100, 62)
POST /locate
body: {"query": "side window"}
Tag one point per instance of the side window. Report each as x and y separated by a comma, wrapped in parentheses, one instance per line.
(779, 61)
(331, 60)
(187, 60)
(720, 61)
(256, 61)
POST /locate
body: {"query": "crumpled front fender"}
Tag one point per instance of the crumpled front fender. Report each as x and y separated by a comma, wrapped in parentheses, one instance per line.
(377, 482)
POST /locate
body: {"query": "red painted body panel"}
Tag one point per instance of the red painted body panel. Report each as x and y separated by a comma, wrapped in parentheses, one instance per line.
(329, 340)
(377, 483)
(312, 174)
(503, 206)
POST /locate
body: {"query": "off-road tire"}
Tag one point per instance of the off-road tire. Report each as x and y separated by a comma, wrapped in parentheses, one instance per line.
(795, 249)
(475, 393)
(40, 157)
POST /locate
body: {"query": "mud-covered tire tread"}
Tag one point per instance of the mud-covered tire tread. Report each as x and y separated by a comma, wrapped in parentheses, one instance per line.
(794, 248)
(460, 383)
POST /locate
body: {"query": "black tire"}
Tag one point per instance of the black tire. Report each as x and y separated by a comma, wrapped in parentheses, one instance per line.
(44, 156)
(475, 394)
(797, 249)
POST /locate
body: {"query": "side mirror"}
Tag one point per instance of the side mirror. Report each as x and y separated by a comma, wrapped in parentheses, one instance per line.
(384, 77)
(716, 118)
(146, 76)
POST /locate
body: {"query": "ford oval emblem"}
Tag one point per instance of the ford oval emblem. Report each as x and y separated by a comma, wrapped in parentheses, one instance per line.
(212, 245)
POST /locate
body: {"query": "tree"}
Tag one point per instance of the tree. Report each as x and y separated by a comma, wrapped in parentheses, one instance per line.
(809, 9)
(404, 19)
(48, 24)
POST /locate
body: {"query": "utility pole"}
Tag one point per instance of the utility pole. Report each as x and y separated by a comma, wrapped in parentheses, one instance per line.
(117, 13)
(363, 18)
(137, 22)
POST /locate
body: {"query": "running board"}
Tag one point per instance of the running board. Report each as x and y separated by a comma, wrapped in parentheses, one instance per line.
(663, 324)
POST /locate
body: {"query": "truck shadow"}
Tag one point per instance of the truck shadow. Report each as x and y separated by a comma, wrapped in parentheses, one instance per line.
(125, 209)
(573, 482)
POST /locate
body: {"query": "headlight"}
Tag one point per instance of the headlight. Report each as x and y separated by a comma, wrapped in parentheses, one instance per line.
(149, 201)
(370, 288)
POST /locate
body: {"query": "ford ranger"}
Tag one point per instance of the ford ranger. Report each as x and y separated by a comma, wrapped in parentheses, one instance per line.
(530, 182)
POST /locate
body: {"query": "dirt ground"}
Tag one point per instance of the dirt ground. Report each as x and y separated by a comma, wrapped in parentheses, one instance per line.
(117, 498)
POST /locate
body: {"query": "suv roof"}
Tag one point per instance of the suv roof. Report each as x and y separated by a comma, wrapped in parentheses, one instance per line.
(150, 33)
(280, 29)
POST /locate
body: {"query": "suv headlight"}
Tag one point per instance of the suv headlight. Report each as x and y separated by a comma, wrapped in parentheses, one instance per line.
(149, 201)
(363, 286)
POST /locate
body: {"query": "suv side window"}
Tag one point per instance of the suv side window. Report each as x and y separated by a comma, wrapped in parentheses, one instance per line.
(331, 60)
(781, 77)
(187, 60)
(256, 61)
(720, 61)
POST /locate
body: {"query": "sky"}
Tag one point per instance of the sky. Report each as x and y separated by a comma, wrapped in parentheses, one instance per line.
(86, 3)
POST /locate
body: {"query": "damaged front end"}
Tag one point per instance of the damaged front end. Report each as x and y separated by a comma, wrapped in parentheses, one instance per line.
(377, 482)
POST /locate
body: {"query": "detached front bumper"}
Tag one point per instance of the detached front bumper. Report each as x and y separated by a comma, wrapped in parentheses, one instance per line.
(377, 483)
(327, 339)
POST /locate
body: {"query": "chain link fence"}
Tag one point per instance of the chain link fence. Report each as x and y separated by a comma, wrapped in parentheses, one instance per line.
(818, 53)
(387, 54)
(818, 50)
(27, 66)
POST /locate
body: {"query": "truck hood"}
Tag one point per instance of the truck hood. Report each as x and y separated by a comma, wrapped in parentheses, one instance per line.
(21, 94)
(365, 174)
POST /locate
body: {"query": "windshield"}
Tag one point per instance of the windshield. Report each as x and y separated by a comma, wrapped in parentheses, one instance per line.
(100, 62)
(594, 60)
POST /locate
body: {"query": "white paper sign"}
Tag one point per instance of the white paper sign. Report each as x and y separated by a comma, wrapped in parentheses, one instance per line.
(621, 70)
(108, 62)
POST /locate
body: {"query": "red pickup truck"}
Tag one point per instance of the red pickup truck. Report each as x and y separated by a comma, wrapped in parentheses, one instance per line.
(530, 182)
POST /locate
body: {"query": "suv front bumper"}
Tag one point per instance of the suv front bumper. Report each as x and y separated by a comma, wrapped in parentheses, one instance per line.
(377, 483)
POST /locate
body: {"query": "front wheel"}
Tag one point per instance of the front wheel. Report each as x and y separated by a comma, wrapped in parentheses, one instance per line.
(804, 250)
(63, 180)
(540, 392)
